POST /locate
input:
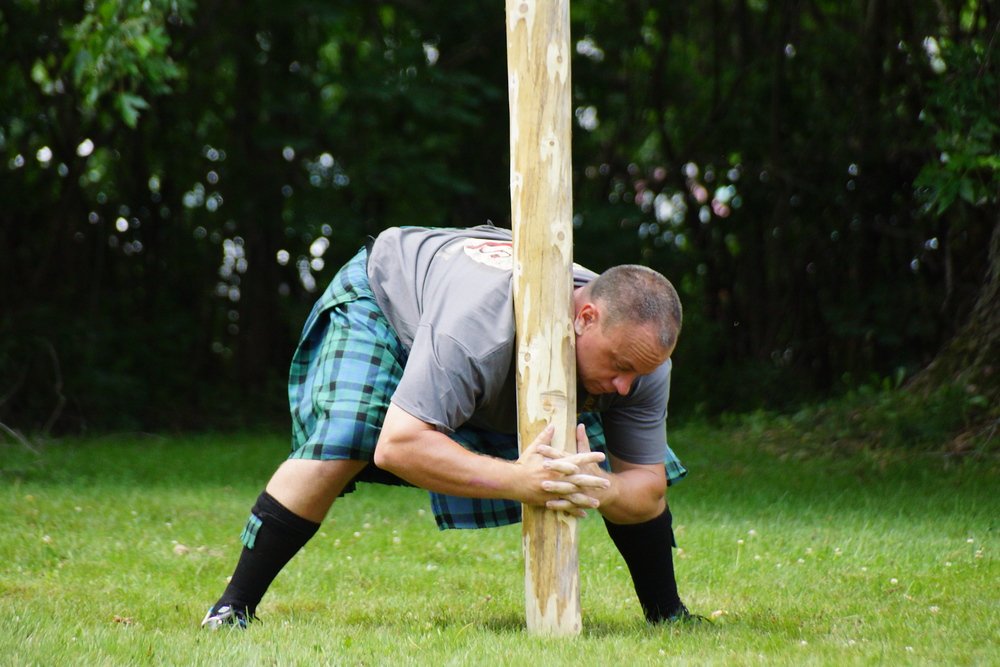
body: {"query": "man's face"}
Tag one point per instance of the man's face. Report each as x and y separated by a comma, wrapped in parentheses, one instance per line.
(609, 359)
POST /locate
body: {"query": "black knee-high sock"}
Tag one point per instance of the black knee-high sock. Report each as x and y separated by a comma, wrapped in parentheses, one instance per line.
(648, 552)
(273, 535)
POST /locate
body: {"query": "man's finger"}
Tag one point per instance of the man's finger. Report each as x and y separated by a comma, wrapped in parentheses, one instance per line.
(559, 455)
(562, 488)
(586, 458)
(545, 437)
(582, 500)
(588, 481)
(582, 442)
(574, 500)
(551, 452)
(566, 506)
(561, 465)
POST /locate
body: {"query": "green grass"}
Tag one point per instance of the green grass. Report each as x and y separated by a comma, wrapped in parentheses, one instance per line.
(112, 549)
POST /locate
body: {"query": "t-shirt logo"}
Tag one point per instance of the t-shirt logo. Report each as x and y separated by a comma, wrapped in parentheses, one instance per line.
(498, 254)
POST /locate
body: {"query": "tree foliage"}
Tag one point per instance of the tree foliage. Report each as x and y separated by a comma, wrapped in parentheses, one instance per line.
(179, 177)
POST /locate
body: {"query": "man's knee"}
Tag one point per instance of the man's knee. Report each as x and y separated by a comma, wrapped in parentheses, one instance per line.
(308, 487)
(335, 474)
(323, 472)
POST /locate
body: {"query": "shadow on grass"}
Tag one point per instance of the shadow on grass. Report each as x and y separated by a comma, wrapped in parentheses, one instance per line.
(513, 623)
(506, 623)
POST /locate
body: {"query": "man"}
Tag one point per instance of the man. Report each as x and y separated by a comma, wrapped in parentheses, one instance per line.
(404, 374)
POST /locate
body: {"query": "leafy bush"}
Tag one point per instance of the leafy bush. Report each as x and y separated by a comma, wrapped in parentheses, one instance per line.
(882, 417)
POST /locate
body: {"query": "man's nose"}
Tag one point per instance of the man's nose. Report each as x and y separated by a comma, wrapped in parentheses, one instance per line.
(623, 384)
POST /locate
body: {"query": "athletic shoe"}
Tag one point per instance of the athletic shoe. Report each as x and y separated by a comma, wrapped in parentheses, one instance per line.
(226, 616)
(679, 616)
(682, 616)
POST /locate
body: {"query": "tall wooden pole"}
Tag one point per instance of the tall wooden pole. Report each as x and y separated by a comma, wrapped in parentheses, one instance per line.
(538, 68)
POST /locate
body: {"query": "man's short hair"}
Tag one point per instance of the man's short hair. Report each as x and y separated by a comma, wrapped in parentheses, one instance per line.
(637, 295)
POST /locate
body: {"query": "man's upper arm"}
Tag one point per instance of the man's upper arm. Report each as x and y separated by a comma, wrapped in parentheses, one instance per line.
(642, 477)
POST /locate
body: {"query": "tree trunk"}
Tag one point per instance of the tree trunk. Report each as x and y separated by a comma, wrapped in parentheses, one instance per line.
(971, 359)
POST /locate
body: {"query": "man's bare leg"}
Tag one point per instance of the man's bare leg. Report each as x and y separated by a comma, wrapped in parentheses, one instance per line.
(308, 488)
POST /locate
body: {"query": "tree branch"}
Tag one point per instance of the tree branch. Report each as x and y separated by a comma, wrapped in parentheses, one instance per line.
(20, 438)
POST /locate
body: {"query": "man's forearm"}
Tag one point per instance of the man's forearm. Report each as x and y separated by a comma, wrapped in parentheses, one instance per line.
(433, 461)
(418, 453)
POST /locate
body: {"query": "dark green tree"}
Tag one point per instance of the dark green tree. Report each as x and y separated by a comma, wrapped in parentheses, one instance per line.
(774, 156)
(179, 177)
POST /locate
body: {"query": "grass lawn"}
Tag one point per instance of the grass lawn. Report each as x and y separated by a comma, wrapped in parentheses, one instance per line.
(112, 549)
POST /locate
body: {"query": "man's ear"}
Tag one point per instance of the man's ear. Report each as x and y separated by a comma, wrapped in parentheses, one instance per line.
(586, 317)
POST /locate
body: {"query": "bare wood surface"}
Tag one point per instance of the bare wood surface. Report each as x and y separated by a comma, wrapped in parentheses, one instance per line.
(538, 66)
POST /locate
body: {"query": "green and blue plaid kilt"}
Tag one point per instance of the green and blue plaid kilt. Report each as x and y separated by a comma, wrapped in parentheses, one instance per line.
(345, 369)
(348, 363)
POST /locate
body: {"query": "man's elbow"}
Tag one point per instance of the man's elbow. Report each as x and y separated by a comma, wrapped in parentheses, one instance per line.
(656, 508)
(399, 441)
(648, 510)
(650, 499)
(637, 512)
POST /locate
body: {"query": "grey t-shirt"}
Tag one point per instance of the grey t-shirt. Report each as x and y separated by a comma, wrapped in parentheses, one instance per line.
(448, 295)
